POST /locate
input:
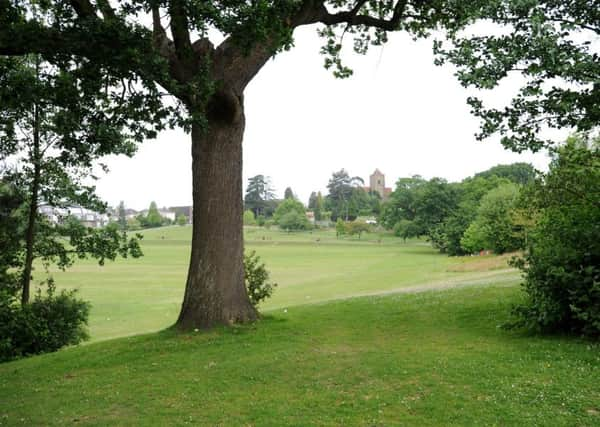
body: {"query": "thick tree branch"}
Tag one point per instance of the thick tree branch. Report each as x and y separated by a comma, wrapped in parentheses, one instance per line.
(238, 67)
(167, 50)
(356, 8)
(161, 41)
(157, 28)
(180, 30)
(31, 37)
(106, 9)
(83, 8)
(352, 17)
(577, 24)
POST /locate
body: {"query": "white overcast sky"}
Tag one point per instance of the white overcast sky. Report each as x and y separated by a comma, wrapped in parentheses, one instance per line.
(399, 113)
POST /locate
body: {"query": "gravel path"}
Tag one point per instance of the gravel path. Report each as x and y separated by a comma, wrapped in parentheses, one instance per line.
(503, 277)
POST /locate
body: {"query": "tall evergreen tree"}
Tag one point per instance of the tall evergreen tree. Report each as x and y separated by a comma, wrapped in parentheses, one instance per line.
(288, 194)
(122, 216)
(153, 218)
(341, 188)
(312, 201)
(318, 209)
(259, 193)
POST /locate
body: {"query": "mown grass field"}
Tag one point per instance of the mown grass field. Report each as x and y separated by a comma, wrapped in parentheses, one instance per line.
(135, 296)
(319, 356)
(417, 359)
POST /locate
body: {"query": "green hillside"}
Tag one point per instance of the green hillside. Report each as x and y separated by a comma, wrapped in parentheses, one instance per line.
(432, 358)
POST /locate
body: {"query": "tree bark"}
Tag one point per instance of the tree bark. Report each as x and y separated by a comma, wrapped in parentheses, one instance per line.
(215, 292)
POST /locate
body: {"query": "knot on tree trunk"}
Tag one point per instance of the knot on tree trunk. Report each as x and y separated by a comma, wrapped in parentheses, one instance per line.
(225, 107)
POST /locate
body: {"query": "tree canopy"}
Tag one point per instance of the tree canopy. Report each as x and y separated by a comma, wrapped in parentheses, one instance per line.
(259, 194)
(288, 193)
(443, 212)
(493, 227)
(518, 173)
(552, 45)
(290, 215)
(153, 217)
(51, 133)
(344, 195)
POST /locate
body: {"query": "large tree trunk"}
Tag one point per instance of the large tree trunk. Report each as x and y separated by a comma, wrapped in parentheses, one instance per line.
(215, 292)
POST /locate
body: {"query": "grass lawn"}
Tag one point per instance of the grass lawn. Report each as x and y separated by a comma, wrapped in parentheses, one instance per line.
(144, 295)
(430, 358)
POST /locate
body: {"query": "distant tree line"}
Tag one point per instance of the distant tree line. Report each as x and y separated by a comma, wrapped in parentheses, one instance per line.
(479, 213)
(262, 208)
(347, 199)
(150, 219)
(553, 218)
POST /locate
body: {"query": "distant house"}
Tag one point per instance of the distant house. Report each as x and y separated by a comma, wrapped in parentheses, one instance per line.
(85, 216)
(310, 215)
(377, 185)
(166, 213)
(183, 210)
(130, 213)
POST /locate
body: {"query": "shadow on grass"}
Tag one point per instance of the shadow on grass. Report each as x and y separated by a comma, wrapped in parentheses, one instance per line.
(236, 329)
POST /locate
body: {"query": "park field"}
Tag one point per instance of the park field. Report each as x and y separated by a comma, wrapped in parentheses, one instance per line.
(132, 296)
(369, 332)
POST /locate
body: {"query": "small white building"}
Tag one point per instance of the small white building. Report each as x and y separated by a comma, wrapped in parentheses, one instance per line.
(87, 217)
(167, 214)
(183, 210)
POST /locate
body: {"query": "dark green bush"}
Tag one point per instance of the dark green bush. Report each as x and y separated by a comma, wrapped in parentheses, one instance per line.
(562, 262)
(256, 278)
(48, 323)
(293, 221)
(562, 273)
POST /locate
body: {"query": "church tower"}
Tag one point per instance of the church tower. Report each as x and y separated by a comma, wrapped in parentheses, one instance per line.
(377, 183)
